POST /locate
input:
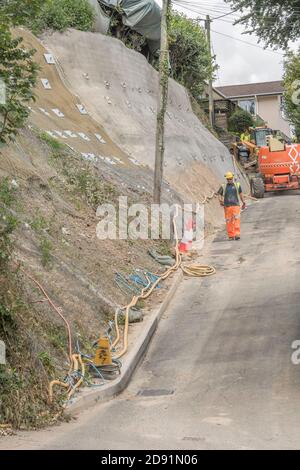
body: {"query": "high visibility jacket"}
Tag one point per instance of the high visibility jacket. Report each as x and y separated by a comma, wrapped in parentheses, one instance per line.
(245, 137)
(237, 187)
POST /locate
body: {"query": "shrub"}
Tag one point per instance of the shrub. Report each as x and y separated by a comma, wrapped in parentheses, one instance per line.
(45, 247)
(239, 121)
(8, 222)
(190, 59)
(57, 148)
(18, 73)
(259, 122)
(292, 89)
(62, 14)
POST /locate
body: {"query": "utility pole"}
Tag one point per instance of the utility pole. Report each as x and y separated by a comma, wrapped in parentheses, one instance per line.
(210, 84)
(162, 104)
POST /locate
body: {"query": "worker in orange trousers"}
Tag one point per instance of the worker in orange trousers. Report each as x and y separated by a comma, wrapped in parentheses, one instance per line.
(231, 198)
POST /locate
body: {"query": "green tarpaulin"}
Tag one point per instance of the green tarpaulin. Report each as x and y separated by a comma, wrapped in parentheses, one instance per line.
(142, 16)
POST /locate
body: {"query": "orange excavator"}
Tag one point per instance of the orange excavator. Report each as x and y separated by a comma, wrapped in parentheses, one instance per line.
(270, 160)
(246, 152)
(278, 168)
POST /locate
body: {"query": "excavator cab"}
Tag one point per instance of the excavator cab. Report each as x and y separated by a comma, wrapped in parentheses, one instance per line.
(246, 152)
(259, 136)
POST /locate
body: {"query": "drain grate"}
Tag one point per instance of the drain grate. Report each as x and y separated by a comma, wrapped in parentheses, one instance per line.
(155, 392)
(220, 239)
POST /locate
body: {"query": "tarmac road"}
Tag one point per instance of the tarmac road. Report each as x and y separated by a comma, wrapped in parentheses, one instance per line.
(218, 373)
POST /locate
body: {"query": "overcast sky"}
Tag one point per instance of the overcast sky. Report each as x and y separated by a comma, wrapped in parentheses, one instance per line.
(238, 62)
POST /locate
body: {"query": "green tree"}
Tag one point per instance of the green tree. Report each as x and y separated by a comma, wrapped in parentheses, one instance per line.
(190, 59)
(292, 89)
(16, 12)
(18, 73)
(276, 22)
(258, 121)
(239, 121)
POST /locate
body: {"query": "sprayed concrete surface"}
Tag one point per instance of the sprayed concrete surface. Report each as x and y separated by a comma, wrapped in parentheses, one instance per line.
(119, 89)
(72, 127)
(218, 374)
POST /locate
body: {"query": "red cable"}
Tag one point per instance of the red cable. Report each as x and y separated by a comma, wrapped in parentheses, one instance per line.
(53, 306)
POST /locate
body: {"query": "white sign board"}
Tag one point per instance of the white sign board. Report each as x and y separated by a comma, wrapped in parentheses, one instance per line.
(45, 83)
(83, 136)
(100, 138)
(90, 157)
(2, 92)
(110, 161)
(119, 161)
(70, 134)
(81, 109)
(61, 134)
(49, 58)
(134, 161)
(51, 134)
(58, 112)
(2, 353)
(44, 111)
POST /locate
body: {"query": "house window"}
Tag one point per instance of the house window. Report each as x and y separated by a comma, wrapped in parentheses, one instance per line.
(248, 105)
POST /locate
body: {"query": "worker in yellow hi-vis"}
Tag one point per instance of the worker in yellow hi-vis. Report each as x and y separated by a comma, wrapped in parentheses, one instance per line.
(231, 198)
(245, 136)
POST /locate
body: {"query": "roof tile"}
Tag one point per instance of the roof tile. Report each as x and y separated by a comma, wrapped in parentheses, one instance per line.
(251, 89)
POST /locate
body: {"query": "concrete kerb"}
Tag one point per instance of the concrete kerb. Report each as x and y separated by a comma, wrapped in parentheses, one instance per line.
(91, 397)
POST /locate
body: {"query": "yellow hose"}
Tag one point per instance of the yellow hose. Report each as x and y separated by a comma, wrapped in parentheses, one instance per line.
(191, 270)
(75, 359)
(195, 270)
(117, 329)
(51, 385)
(198, 270)
(79, 382)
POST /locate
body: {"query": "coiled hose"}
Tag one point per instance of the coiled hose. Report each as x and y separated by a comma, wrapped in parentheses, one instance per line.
(196, 270)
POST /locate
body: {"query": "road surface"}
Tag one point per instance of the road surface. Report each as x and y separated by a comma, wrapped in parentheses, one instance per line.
(218, 373)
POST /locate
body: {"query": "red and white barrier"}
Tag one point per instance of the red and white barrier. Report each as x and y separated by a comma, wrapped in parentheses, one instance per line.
(186, 243)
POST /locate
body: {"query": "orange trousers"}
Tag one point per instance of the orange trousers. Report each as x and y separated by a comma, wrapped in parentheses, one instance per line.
(233, 221)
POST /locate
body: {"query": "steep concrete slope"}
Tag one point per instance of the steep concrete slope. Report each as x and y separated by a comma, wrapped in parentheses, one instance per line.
(117, 132)
(119, 87)
(79, 131)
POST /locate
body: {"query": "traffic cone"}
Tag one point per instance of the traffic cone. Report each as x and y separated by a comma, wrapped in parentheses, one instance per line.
(186, 243)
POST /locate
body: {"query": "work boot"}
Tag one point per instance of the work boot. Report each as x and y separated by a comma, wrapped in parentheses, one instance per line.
(237, 237)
